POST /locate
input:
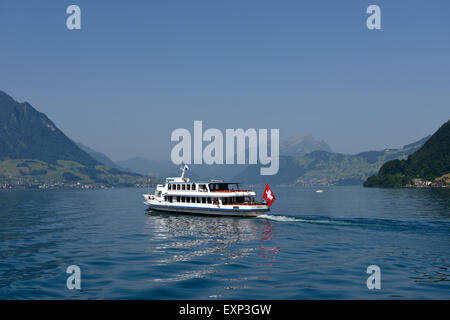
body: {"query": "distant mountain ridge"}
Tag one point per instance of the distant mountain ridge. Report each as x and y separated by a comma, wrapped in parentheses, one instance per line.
(149, 167)
(100, 157)
(297, 146)
(319, 167)
(431, 162)
(327, 168)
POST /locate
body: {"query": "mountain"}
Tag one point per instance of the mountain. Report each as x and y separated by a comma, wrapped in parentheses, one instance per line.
(35, 153)
(327, 168)
(429, 163)
(27, 133)
(100, 157)
(301, 145)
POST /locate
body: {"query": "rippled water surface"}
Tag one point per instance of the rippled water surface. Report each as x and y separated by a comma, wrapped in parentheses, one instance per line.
(311, 246)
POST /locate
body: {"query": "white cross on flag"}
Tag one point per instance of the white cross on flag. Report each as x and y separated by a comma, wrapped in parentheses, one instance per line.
(268, 195)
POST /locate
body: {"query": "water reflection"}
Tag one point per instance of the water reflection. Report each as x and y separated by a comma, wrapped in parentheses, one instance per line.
(267, 252)
(175, 225)
(194, 240)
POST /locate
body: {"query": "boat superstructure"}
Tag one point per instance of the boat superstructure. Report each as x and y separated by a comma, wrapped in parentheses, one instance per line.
(180, 195)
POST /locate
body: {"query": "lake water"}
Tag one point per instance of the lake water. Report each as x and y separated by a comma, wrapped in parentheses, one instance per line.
(311, 246)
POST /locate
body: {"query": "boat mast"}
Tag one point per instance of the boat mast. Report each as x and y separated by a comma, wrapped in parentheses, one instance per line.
(183, 170)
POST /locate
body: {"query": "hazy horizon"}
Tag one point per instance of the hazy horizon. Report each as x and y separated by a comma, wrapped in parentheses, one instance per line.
(138, 70)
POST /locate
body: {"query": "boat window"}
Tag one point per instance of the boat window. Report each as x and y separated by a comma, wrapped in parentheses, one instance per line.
(208, 200)
(234, 186)
(203, 200)
(183, 187)
(178, 187)
(193, 187)
(221, 186)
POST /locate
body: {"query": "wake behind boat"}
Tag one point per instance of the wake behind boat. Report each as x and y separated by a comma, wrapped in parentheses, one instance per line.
(180, 195)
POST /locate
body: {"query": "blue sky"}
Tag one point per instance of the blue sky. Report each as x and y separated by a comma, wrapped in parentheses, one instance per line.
(139, 69)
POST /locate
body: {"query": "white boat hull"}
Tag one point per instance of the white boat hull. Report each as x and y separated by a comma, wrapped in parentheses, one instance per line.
(235, 211)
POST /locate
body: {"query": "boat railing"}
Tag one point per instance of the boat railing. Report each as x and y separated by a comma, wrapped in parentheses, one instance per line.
(254, 203)
(230, 190)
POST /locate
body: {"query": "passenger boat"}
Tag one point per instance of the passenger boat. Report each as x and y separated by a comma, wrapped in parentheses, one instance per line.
(180, 195)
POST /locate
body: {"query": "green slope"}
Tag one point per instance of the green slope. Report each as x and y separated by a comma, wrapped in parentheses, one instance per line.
(429, 162)
(64, 173)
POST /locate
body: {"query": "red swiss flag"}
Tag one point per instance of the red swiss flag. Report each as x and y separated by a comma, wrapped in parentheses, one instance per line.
(268, 195)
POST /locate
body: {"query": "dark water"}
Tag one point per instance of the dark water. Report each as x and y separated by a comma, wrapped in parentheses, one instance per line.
(311, 246)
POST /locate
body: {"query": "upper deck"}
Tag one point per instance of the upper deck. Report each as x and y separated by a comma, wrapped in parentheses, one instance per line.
(218, 189)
